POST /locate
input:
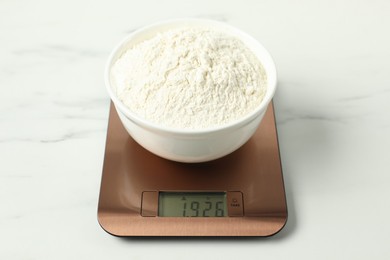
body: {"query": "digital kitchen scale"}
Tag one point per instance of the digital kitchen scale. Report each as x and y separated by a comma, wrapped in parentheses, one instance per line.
(241, 194)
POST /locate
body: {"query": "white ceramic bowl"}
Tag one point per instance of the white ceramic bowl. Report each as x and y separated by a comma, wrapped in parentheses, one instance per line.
(184, 145)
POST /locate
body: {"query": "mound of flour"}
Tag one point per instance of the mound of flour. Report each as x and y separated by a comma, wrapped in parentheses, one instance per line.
(189, 78)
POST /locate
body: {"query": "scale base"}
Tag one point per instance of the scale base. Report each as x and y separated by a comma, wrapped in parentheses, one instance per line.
(254, 170)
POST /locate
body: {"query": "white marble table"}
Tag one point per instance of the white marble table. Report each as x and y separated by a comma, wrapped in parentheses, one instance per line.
(332, 107)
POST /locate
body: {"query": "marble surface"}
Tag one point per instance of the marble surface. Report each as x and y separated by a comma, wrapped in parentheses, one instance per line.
(332, 108)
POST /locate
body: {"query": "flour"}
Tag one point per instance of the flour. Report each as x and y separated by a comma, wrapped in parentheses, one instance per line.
(190, 78)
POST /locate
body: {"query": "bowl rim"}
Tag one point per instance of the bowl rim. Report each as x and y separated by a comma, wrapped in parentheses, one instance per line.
(243, 36)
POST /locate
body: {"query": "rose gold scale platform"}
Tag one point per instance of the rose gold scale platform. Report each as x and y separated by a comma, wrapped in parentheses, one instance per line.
(249, 181)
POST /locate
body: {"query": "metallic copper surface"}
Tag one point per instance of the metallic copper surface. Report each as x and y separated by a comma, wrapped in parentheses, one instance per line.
(129, 170)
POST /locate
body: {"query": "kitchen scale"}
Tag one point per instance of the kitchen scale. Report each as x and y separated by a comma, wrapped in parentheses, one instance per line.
(241, 194)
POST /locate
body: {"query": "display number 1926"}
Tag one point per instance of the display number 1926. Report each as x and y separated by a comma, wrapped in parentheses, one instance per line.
(203, 209)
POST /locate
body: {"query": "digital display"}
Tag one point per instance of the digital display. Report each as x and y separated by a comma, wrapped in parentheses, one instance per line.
(192, 204)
